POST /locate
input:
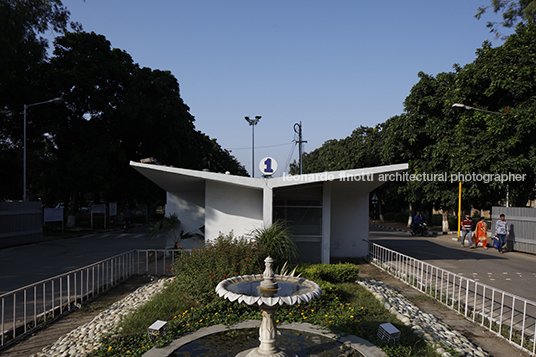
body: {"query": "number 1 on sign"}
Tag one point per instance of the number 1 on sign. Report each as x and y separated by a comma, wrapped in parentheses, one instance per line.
(268, 165)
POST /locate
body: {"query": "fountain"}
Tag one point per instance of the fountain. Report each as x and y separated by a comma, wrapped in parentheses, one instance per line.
(268, 291)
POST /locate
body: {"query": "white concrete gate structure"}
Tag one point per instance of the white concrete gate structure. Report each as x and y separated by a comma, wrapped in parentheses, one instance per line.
(328, 211)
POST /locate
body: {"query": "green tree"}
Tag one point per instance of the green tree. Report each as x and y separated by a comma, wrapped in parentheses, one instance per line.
(513, 12)
(501, 79)
(22, 26)
(116, 112)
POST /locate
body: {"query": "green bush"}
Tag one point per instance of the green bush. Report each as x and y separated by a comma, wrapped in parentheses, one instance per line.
(401, 217)
(389, 216)
(333, 273)
(199, 273)
(453, 223)
(437, 220)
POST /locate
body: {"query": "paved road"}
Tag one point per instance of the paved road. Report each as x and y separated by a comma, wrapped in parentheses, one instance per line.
(512, 271)
(28, 264)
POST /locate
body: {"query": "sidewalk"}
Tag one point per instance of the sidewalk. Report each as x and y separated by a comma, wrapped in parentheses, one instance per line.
(51, 333)
(478, 335)
(403, 227)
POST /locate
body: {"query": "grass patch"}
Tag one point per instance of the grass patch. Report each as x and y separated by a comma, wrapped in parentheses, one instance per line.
(163, 306)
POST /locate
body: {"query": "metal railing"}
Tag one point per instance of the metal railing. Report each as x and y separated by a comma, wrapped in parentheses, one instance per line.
(29, 308)
(506, 315)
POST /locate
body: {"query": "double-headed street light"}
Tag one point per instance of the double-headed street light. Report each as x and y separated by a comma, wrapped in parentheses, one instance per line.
(26, 106)
(252, 123)
(466, 107)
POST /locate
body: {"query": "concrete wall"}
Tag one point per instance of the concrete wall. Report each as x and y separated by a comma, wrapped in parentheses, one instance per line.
(20, 223)
(522, 226)
(189, 207)
(349, 221)
(231, 207)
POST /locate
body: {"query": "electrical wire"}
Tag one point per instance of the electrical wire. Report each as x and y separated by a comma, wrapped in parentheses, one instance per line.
(262, 147)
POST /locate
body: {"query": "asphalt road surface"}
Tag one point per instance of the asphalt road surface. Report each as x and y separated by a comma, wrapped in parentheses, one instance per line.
(512, 272)
(28, 264)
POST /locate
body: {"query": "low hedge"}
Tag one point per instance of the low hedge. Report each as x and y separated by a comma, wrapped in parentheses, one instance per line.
(333, 273)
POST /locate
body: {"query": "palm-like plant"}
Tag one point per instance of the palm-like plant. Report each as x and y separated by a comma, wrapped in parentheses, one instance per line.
(276, 242)
(170, 226)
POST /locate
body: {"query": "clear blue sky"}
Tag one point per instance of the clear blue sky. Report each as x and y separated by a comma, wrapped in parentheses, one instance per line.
(334, 65)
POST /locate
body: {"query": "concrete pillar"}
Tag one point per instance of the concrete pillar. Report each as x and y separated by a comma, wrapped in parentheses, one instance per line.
(267, 206)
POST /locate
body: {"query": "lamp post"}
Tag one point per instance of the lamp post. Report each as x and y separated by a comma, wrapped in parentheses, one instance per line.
(26, 106)
(252, 123)
(466, 107)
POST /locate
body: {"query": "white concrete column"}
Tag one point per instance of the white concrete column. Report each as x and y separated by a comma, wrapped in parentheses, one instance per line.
(267, 206)
(326, 223)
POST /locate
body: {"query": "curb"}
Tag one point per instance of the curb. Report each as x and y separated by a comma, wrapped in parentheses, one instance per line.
(430, 233)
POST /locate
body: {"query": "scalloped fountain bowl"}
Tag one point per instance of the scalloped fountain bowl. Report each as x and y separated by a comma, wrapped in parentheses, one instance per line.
(268, 291)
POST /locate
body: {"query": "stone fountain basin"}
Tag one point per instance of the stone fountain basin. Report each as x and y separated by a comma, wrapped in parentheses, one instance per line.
(246, 289)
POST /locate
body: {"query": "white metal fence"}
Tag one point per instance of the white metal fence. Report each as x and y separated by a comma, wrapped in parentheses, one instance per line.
(29, 308)
(502, 313)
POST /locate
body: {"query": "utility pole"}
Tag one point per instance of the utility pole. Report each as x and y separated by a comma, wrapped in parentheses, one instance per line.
(298, 130)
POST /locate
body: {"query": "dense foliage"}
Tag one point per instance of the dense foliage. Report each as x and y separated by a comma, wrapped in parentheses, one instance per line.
(114, 111)
(513, 12)
(434, 138)
(228, 256)
(336, 273)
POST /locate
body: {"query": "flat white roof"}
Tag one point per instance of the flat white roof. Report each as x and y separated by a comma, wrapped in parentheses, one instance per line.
(177, 179)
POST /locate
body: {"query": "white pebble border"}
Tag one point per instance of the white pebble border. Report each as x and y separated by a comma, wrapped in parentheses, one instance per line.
(426, 325)
(86, 338)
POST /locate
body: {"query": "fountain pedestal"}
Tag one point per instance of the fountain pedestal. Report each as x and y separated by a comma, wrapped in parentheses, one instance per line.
(268, 296)
(268, 337)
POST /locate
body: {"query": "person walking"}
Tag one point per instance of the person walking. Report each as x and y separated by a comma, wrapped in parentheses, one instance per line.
(501, 232)
(481, 233)
(466, 225)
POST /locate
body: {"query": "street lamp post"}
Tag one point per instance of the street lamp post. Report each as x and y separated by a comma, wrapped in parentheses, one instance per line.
(252, 123)
(466, 107)
(26, 106)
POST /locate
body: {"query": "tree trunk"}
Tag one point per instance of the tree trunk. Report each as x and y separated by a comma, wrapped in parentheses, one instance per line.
(445, 220)
(410, 218)
(380, 211)
(71, 215)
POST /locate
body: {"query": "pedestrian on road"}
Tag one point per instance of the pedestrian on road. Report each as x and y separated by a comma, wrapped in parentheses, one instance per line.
(501, 232)
(466, 225)
(481, 233)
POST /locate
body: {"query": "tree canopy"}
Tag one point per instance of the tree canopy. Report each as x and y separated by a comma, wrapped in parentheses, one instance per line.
(114, 111)
(513, 12)
(434, 138)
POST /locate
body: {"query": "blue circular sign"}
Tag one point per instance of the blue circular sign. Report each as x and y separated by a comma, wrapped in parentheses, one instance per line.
(268, 166)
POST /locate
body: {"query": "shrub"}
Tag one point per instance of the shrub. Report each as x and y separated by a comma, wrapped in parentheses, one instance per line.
(389, 216)
(199, 273)
(276, 242)
(401, 217)
(333, 273)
